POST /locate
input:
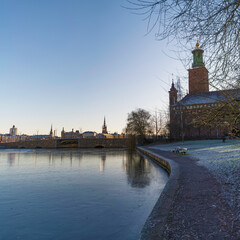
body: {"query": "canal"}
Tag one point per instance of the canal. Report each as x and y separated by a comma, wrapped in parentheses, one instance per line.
(76, 194)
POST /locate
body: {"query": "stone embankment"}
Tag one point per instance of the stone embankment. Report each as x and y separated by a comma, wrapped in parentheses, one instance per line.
(191, 206)
(69, 143)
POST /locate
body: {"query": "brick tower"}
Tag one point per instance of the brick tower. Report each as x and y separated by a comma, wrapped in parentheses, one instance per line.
(198, 75)
(172, 95)
(172, 100)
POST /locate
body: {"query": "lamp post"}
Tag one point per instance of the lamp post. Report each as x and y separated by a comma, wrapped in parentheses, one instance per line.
(181, 116)
(182, 128)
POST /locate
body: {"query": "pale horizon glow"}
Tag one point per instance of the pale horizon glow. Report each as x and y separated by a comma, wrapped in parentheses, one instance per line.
(70, 63)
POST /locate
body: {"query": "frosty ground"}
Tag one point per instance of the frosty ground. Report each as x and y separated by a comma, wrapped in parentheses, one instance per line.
(222, 159)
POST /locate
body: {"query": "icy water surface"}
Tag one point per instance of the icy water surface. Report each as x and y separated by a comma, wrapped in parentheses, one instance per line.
(82, 195)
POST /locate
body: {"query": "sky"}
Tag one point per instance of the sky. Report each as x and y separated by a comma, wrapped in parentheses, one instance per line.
(69, 63)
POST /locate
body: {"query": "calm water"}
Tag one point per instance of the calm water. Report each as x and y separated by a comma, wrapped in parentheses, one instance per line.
(82, 195)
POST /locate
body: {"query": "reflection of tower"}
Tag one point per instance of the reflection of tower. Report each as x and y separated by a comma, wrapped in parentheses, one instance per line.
(102, 161)
(80, 156)
(104, 127)
(71, 158)
(11, 158)
(49, 158)
(35, 159)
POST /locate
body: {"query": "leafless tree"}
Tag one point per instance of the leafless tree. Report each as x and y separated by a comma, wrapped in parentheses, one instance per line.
(159, 121)
(216, 23)
(156, 120)
(139, 123)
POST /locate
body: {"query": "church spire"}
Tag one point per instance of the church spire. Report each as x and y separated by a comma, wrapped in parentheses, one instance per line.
(173, 87)
(173, 94)
(104, 127)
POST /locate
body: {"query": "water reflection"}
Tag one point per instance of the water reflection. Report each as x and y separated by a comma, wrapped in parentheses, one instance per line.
(102, 161)
(137, 169)
(11, 159)
(88, 194)
(53, 157)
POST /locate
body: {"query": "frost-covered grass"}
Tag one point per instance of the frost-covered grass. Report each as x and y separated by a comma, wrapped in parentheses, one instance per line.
(223, 159)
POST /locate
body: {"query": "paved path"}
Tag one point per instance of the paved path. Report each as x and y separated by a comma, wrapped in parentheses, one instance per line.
(196, 208)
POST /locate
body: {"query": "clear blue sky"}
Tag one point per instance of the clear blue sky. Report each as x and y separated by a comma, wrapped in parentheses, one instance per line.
(72, 62)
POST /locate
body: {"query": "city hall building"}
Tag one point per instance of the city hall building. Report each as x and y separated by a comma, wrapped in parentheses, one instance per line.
(194, 104)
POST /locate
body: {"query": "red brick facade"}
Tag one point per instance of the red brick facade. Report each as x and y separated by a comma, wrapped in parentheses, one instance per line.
(181, 123)
(198, 80)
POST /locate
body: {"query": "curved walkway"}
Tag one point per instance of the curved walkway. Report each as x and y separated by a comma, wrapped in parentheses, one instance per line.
(191, 205)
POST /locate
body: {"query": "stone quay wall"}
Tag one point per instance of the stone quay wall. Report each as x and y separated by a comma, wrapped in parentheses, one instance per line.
(155, 224)
(104, 142)
(51, 143)
(68, 143)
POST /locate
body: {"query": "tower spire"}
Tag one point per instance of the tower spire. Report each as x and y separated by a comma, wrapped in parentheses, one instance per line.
(197, 56)
(172, 94)
(172, 86)
(51, 131)
(104, 127)
(198, 75)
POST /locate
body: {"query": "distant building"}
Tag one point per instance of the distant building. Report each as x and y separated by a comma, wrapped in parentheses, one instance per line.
(37, 137)
(55, 133)
(104, 127)
(6, 138)
(108, 135)
(116, 135)
(199, 101)
(71, 135)
(13, 131)
(100, 135)
(89, 134)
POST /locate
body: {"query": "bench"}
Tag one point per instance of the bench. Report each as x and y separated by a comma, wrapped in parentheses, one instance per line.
(180, 150)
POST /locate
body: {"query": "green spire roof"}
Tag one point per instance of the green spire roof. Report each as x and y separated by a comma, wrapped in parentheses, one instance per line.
(197, 57)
